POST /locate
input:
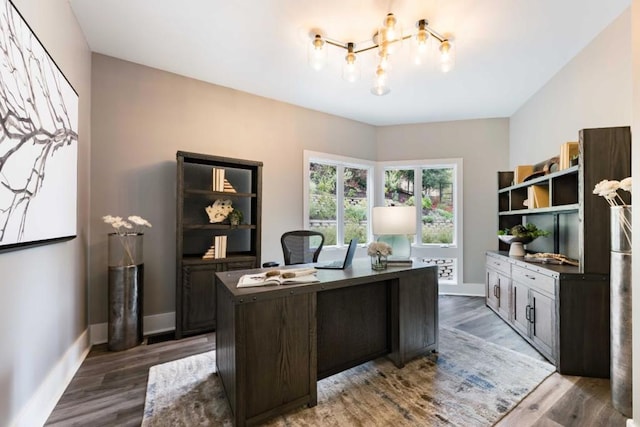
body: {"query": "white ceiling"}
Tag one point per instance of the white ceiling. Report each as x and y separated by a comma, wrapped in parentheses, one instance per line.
(506, 49)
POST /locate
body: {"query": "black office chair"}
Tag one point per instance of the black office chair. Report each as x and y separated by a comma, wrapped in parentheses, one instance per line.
(301, 246)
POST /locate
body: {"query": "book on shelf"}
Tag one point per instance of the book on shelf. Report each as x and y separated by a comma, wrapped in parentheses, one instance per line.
(538, 197)
(210, 254)
(399, 261)
(220, 244)
(218, 249)
(567, 151)
(228, 188)
(279, 277)
(218, 180)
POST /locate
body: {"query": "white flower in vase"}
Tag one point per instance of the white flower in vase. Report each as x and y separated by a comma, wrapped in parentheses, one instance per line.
(124, 229)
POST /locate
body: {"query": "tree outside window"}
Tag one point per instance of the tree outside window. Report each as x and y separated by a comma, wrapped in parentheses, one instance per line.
(434, 194)
(338, 201)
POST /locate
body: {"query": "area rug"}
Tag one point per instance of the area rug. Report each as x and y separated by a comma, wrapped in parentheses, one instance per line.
(472, 383)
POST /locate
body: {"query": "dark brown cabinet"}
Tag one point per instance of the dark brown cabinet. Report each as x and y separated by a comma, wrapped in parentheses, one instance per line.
(195, 234)
(562, 310)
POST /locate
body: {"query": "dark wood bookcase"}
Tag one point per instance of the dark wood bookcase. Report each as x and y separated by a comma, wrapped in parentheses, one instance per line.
(195, 276)
(577, 219)
(563, 310)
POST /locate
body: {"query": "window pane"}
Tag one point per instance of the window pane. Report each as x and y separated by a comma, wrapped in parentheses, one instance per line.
(323, 201)
(437, 206)
(399, 187)
(355, 204)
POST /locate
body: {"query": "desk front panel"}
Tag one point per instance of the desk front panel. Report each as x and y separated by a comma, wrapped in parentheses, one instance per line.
(353, 326)
(277, 341)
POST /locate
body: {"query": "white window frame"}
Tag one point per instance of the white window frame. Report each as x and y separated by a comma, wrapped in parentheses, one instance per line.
(340, 162)
(426, 250)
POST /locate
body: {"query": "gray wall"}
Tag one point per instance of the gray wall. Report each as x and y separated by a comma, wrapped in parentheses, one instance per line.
(592, 90)
(142, 116)
(43, 305)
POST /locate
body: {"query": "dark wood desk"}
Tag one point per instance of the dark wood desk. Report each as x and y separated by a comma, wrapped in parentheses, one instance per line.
(274, 343)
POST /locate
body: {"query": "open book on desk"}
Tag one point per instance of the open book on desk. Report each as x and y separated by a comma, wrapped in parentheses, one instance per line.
(279, 277)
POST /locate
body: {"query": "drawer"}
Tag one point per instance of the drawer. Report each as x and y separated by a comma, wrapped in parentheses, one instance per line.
(534, 280)
(239, 265)
(500, 264)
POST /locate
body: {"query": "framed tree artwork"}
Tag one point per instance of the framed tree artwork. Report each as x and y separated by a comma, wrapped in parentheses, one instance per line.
(38, 140)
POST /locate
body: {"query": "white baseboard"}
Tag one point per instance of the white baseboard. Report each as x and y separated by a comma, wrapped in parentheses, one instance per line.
(42, 402)
(152, 324)
(630, 423)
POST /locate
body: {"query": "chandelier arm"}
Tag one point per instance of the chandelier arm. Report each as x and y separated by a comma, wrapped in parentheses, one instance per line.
(375, 46)
(336, 44)
(435, 35)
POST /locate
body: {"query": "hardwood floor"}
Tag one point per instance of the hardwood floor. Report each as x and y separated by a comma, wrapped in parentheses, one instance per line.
(109, 388)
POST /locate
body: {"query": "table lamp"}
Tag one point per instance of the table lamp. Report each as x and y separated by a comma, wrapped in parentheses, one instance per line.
(392, 225)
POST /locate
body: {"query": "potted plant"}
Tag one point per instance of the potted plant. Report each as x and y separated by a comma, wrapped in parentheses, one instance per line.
(520, 235)
(235, 217)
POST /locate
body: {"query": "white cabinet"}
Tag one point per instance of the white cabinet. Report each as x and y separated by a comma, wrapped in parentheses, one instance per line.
(498, 286)
(534, 308)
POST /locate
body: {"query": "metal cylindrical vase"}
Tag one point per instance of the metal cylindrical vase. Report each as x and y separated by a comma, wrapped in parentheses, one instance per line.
(620, 294)
(126, 284)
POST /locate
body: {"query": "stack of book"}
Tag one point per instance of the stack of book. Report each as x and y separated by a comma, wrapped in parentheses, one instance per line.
(397, 262)
(219, 182)
(567, 151)
(538, 197)
(218, 249)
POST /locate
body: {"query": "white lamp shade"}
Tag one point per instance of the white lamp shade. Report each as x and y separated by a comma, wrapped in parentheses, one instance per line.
(394, 220)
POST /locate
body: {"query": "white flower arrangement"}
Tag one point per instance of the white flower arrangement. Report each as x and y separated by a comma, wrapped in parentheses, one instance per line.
(121, 226)
(379, 249)
(609, 190)
(125, 228)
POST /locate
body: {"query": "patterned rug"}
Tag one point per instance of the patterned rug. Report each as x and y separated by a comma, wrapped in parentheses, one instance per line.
(472, 383)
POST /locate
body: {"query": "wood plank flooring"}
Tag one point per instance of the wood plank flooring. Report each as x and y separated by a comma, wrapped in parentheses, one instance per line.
(109, 388)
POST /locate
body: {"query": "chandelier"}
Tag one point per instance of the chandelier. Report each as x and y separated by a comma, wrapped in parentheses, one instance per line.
(386, 41)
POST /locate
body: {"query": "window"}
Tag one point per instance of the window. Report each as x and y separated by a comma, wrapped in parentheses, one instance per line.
(438, 195)
(338, 197)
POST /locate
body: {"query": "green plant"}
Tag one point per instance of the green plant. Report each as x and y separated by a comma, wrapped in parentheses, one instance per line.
(235, 217)
(530, 230)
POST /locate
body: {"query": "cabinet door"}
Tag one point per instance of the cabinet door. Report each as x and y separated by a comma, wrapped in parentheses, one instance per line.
(520, 298)
(543, 323)
(491, 289)
(503, 289)
(198, 299)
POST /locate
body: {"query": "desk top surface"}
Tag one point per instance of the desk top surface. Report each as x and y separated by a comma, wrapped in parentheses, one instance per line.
(359, 272)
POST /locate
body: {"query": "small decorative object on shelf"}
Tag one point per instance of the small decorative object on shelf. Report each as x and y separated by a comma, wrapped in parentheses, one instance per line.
(219, 210)
(379, 251)
(235, 217)
(126, 277)
(520, 235)
(620, 293)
